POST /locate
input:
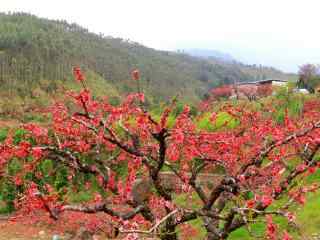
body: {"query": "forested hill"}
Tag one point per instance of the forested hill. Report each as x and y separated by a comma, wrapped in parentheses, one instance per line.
(38, 54)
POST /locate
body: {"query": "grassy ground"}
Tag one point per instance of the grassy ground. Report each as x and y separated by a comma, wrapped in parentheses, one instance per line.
(307, 218)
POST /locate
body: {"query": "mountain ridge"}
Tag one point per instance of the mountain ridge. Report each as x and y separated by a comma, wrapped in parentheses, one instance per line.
(209, 53)
(38, 53)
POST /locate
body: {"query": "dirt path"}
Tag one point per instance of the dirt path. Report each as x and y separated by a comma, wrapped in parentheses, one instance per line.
(14, 231)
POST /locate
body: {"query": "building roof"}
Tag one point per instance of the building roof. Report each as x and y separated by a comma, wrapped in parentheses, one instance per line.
(263, 81)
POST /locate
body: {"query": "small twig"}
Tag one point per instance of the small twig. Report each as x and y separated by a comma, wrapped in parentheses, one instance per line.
(154, 228)
(58, 140)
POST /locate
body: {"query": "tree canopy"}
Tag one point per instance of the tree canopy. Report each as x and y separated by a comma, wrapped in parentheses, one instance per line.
(35, 50)
(256, 165)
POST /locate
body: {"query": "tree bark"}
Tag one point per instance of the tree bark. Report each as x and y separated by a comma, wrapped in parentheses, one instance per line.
(169, 230)
(169, 233)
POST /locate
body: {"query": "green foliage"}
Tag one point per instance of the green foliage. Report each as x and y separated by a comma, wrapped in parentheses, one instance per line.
(223, 120)
(3, 134)
(14, 167)
(303, 219)
(121, 169)
(48, 50)
(314, 82)
(8, 190)
(7, 196)
(61, 177)
(205, 124)
(288, 102)
(80, 197)
(32, 117)
(18, 135)
(258, 229)
(46, 167)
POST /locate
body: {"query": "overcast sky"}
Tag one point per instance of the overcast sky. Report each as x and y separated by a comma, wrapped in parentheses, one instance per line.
(280, 33)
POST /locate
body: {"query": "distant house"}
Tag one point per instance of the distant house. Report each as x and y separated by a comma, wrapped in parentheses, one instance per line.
(266, 82)
(262, 88)
(248, 90)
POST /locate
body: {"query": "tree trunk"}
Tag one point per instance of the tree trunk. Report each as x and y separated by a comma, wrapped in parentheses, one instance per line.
(169, 233)
(212, 236)
(213, 231)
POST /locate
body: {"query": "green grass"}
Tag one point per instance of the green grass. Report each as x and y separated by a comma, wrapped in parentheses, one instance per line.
(3, 134)
(222, 120)
(307, 217)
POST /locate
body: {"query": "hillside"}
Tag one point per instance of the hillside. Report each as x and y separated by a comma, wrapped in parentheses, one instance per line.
(37, 55)
(256, 72)
(209, 54)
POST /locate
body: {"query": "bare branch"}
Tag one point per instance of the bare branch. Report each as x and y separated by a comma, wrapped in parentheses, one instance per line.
(102, 207)
(257, 160)
(155, 227)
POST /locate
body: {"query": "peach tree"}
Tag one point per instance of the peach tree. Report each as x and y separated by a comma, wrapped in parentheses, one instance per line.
(125, 150)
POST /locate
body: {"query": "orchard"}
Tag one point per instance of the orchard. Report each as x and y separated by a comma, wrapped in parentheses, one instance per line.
(258, 166)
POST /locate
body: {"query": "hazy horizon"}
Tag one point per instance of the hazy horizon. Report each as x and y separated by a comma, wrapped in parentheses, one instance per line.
(279, 34)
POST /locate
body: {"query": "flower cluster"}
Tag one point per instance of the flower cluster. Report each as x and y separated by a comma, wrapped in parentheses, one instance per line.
(78, 74)
(135, 74)
(238, 159)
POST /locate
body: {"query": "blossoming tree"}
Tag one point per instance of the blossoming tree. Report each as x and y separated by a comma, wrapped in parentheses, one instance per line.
(258, 162)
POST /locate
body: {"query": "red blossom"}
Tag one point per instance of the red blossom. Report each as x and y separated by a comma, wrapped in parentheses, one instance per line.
(118, 146)
(224, 91)
(37, 152)
(271, 229)
(78, 74)
(23, 149)
(300, 198)
(291, 217)
(18, 181)
(301, 167)
(312, 170)
(286, 236)
(266, 200)
(251, 203)
(135, 75)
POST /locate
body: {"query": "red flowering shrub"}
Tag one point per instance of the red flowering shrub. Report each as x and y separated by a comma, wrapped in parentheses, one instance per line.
(222, 92)
(264, 90)
(118, 153)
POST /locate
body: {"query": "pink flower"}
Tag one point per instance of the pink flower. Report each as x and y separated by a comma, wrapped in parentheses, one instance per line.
(18, 181)
(312, 170)
(278, 189)
(286, 236)
(301, 167)
(251, 203)
(78, 74)
(266, 200)
(135, 74)
(291, 217)
(37, 152)
(271, 228)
